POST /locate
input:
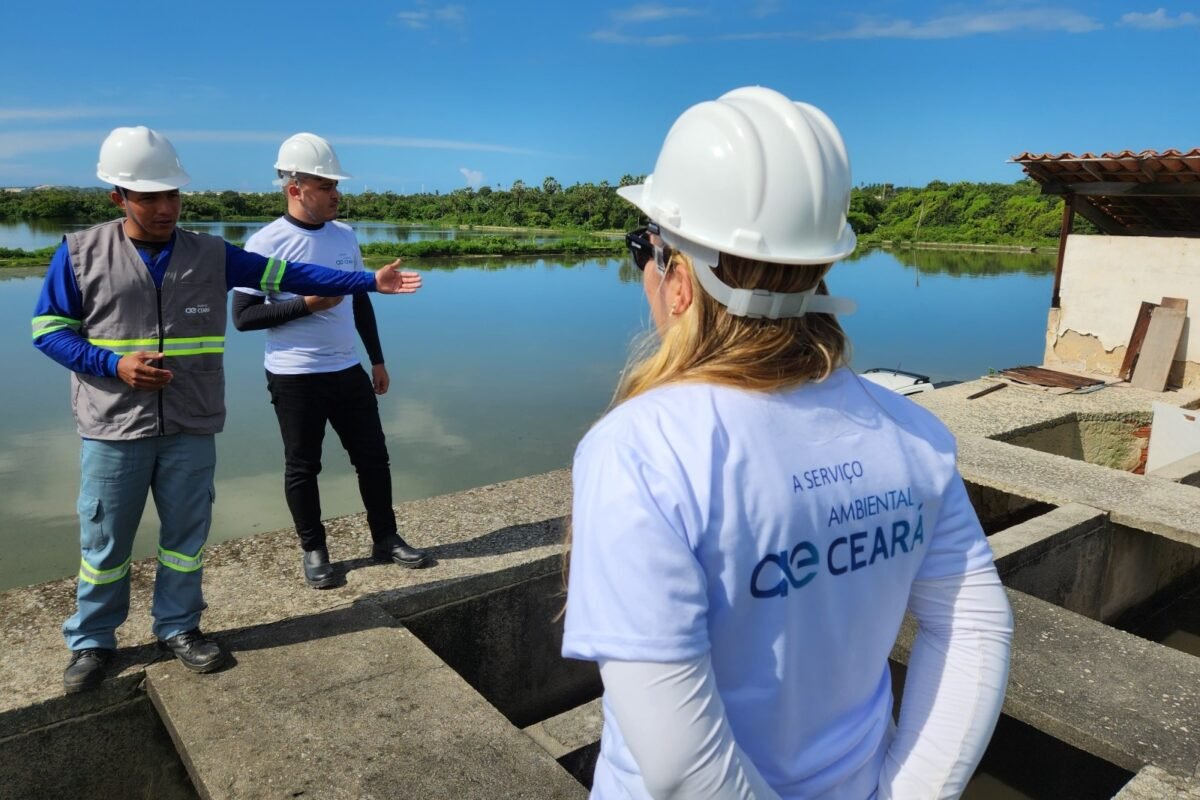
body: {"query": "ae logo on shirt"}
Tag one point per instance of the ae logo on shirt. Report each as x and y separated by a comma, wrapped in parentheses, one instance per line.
(778, 572)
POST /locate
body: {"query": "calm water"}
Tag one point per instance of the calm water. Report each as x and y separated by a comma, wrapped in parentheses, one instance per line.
(36, 234)
(497, 370)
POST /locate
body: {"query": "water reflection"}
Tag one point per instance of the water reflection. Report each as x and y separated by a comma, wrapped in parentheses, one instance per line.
(498, 368)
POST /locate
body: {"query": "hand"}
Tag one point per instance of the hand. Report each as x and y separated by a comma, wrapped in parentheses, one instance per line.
(316, 303)
(390, 280)
(136, 371)
(379, 378)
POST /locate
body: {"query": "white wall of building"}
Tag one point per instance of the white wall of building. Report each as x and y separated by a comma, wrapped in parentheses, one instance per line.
(1106, 278)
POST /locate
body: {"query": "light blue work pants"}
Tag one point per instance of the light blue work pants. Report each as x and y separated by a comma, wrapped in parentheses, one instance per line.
(115, 478)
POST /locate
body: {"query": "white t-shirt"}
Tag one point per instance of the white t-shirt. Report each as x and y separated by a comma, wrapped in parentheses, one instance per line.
(781, 533)
(326, 341)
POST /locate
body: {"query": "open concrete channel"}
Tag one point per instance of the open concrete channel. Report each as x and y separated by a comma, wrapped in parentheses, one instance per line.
(447, 682)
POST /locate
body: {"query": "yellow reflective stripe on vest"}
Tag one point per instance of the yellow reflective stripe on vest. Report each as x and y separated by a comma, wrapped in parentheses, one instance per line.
(272, 277)
(102, 576)
(176, 346)
(50, 324)
(194, 345)
(180, 562)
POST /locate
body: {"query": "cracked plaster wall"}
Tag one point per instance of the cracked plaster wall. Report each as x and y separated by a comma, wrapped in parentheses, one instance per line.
(1104, 281)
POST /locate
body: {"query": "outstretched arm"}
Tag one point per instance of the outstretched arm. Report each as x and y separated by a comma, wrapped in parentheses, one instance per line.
(390, 280)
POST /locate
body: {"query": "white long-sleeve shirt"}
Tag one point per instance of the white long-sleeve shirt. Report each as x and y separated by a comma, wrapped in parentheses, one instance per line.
(781, 536)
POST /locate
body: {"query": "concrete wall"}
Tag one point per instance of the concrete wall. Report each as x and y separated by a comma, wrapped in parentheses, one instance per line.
(1099, 569)
(1104, 281)
(119, 751)
(1108, 440)
(507, 645)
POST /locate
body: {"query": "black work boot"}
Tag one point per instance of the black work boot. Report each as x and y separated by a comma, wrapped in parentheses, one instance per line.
(196, 651)
(318, 572)
(393, 548)
(85, 670)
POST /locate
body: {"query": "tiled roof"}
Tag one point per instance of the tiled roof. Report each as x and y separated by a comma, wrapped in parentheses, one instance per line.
(1147, 193)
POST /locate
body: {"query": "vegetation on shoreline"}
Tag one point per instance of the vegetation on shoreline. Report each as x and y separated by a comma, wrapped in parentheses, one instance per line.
(961, 213)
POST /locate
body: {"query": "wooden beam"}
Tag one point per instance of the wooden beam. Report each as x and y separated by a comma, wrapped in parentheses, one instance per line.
(1098, 218)
(1123, 189)
(1134, 348)
(1068, 225)
(1142, 230)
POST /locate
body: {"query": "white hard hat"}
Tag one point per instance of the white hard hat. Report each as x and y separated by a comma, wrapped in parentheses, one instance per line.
(756, 175)
(311, 155)
(141, 160)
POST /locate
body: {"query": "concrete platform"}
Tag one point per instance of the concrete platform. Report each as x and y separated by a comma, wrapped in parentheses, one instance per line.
(345, 704)
(394, 703)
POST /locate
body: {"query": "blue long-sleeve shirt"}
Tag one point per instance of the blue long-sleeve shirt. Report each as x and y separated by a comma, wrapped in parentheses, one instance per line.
(60, 298)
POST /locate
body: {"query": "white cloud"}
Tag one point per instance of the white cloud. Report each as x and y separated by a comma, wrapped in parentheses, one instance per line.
(955, 26)
(766, 8)
(624, 22)
(14, 144)
(650, 12)
(417, 20)
(473, 176)
(616, 37)
(47, 114)
(1159, 20)
(400, 142)
(26, 142)
(421, 17)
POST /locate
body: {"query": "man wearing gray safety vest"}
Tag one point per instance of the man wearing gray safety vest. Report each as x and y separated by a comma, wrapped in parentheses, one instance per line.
(135, 309)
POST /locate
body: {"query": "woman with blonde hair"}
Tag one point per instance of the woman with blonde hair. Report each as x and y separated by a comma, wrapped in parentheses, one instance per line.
(751, 521)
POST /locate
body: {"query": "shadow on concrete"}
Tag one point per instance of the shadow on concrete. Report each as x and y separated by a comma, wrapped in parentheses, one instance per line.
(511, 539)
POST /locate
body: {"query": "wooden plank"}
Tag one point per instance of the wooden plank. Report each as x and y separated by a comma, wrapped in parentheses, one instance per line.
(1135, 341)
(1175, 302)
(995, 387)
(1158, 350)
(1040, 376)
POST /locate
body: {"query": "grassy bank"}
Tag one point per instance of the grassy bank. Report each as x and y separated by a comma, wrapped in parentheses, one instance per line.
(376, 253)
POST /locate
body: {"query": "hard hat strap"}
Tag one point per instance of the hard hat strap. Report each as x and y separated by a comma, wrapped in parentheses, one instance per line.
(760, 303)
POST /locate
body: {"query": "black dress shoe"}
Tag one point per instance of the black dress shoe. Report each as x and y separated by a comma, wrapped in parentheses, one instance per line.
(396, 549)
(85, 670)
(318, 572)
(196, 651)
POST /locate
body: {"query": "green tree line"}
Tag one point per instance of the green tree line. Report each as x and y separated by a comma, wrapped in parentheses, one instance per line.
(972, 213)
(584, 206)
(968, 213)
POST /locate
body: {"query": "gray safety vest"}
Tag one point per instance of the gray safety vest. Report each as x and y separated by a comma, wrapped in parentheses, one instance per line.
(124, 311)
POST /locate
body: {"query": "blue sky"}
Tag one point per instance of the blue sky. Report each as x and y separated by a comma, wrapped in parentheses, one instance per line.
(435, 96)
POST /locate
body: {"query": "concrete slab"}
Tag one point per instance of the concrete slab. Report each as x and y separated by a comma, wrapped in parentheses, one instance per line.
(1123, 699)
(1169, 509)
(1153, 783)
(481, 539)
(570, 730)
(1032, 539)
(345, 704)
(1016, 408)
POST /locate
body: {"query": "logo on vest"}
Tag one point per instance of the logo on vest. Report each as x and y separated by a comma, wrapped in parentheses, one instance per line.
(200, 308)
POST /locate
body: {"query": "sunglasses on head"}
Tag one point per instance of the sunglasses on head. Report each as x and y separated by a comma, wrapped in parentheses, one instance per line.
(641, 249)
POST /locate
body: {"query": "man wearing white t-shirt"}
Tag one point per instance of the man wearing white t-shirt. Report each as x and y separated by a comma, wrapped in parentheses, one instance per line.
(313, 370)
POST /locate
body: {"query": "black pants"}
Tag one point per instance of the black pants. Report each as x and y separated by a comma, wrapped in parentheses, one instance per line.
(346, 400)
